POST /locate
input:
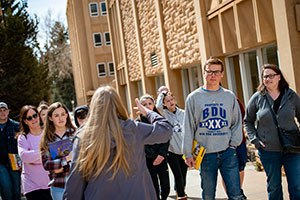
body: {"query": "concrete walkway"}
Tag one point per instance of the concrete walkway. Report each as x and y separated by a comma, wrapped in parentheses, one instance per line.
(254, 185)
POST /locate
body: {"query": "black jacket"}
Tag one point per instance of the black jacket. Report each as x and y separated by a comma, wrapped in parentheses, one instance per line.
(152, 151)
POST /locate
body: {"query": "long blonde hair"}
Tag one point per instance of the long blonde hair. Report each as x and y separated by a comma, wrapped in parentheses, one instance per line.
(49, 129)
(103, 127)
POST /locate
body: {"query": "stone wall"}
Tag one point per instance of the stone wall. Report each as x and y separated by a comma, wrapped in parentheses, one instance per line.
(130, 40)
(181, 32)
(149, 36)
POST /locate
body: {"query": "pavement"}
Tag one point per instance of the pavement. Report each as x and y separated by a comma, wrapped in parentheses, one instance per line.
(255, 185)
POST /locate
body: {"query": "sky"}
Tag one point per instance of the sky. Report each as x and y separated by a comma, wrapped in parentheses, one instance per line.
(41, 8)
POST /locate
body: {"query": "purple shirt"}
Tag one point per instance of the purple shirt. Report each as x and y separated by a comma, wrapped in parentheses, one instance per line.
(34, 176)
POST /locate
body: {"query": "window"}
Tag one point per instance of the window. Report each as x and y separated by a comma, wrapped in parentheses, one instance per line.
(154, 61)
(159, 81)
(93, 9)
(101, 69)
(191, 79)
(235, 76)
(103, 8)
(140, 88)
(111, 69)
(97, 40)
(251, 69)
(107, 38)
(269, 55)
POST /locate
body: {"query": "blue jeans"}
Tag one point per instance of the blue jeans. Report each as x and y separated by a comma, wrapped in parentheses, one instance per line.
(9, 183)
(272, 163)
(57, 193)
(227, 162)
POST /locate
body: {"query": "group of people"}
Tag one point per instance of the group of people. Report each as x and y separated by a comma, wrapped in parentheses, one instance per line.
(41, 176)
(116, 157)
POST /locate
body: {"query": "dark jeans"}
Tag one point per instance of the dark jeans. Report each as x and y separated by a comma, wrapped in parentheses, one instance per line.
(39, 194)
(9, 183)
(179, 169)
(272, 163)
(241, 152)
(159, 172)
(226, 162)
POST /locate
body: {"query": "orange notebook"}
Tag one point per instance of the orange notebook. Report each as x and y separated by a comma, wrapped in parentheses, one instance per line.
(15, 161)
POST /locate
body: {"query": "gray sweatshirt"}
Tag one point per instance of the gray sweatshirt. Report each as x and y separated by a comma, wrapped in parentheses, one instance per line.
(213, 119)
(176, 120)
(265, 131)
(136, 186)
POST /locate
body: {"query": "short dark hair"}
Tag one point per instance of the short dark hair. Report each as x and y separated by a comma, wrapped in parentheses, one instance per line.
(81, 114)
(214, 61)
(282, 85)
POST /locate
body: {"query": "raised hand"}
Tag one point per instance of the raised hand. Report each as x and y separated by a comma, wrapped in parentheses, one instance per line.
(140, 108)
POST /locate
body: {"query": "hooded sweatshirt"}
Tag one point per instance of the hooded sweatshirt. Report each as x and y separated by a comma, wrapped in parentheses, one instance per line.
(213, 119)
(76, 111)
(176, 119)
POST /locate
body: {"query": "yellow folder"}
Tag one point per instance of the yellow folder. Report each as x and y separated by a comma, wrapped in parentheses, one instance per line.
(197, 153)
(15, 161)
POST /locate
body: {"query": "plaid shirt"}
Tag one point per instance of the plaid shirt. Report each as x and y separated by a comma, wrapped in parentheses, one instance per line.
(9, 132)
(57, 180)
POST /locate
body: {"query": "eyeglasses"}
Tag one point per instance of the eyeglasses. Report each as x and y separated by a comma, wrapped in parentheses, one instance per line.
(270, 76)
(34, 116)
(217, 72)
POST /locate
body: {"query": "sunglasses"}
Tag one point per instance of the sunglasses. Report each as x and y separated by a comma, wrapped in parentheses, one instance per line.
(34, 116)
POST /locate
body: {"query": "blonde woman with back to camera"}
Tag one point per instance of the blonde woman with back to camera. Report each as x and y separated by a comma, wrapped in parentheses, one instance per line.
(108, 156)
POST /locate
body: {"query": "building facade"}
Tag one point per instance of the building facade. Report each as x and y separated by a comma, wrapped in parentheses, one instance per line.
(166, 42)
(90, 47)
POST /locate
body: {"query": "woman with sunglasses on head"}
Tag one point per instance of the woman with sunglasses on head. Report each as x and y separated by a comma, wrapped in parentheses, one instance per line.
(167, 103)
(58, 127)
(34, 177)
(274, 96)
(156, 156)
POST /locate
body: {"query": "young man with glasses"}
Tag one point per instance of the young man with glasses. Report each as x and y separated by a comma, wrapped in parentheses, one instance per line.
(9, 179)
(212, 118)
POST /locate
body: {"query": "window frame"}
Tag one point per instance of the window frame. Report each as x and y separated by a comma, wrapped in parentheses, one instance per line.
(101, 74)
(245, 70)
(106, 42)
(110, 72)
(103, 13)
(97, 14)
(95, 44)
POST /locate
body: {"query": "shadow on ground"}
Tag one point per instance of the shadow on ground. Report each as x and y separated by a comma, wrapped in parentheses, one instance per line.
(194, 198)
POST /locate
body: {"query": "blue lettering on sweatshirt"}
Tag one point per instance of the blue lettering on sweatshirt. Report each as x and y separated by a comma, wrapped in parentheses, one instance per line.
(214, 111)
(214, 118)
